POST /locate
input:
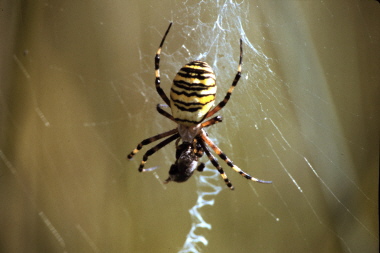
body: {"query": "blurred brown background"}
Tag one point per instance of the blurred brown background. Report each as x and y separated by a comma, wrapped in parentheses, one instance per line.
(77, 94)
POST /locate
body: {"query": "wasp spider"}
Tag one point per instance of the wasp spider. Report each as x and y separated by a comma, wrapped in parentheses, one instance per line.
(191, 101)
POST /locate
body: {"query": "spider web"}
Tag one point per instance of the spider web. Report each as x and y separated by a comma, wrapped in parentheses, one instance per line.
(77, 94)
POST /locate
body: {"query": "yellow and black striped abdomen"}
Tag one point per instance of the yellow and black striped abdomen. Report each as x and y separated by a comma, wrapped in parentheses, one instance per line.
(193, 93)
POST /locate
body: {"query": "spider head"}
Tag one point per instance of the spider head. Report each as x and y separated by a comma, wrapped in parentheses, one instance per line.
(184, 166)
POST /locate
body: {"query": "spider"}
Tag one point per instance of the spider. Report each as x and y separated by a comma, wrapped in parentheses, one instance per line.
(191, 100)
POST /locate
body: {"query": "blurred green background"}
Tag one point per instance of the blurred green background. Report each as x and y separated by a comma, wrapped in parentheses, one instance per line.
(77, 94)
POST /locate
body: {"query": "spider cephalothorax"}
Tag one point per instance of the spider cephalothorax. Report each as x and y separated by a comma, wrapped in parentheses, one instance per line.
(192, 98)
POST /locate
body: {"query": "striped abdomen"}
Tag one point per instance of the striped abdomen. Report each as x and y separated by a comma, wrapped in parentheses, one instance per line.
(193, 93)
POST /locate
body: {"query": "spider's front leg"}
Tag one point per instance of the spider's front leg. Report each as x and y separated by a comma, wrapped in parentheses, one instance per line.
(155, 149)
(150, 140)
(216, 164)
(220, 153)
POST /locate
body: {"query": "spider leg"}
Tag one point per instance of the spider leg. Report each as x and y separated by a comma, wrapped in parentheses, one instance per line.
(155, 149)
(198, 148)
(231, 89)
(216, 164)
(150, 140)
(199, 152)
(212, 121)
(157, 69)
(164, 113)
(219, 152)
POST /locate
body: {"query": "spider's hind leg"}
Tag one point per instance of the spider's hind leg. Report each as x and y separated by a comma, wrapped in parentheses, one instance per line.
(160, 91)
(231, 89)
(163, 112)
(212, 121)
